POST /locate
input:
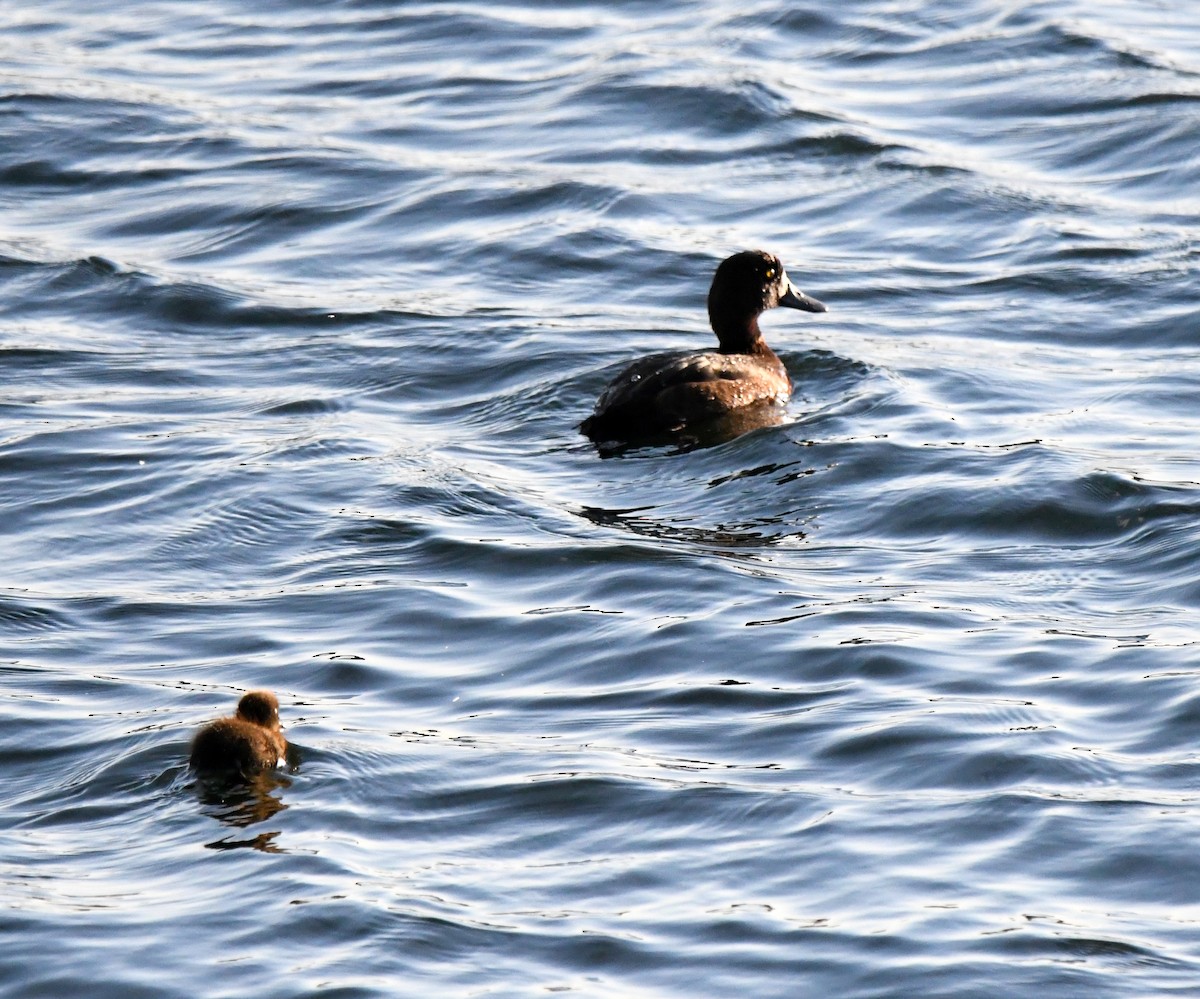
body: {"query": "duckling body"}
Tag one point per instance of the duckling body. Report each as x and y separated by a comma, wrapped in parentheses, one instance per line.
(672, 389)
(247, 742)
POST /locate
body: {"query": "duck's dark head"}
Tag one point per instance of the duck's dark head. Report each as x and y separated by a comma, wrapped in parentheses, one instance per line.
(744, 287)
(259, 707)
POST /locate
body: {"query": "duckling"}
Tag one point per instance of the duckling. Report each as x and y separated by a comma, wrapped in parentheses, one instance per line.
(247, 742)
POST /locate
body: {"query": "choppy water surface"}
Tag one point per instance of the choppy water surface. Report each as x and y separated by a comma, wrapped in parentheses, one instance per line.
(301, 306)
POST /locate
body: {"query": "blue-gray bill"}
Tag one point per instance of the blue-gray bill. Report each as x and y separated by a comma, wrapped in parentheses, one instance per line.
(794, 298)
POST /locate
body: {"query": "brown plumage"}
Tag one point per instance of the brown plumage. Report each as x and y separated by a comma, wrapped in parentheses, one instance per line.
(246, 743)
(669, 390)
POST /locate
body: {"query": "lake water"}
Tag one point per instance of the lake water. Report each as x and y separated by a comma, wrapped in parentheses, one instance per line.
(301, 307)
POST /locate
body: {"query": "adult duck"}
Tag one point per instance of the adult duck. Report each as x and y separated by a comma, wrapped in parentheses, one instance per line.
(670, 390)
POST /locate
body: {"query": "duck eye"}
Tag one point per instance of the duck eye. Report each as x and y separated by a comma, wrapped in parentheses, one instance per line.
(770, 273)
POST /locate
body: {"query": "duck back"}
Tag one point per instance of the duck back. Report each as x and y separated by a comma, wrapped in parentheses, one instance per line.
(668, 390)
(235, 746)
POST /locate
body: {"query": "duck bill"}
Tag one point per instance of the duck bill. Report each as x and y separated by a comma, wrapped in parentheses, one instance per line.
(794, 298)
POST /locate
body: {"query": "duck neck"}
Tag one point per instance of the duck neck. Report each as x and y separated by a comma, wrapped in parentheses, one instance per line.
(738, 335)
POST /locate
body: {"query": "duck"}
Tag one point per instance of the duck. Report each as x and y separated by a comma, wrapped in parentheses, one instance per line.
(244, 743)
(667, 391)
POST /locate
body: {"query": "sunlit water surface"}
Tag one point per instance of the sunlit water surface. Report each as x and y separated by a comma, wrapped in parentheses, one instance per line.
(301, 307)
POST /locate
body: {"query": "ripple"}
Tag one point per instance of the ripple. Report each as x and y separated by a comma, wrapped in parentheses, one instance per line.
(888, 694)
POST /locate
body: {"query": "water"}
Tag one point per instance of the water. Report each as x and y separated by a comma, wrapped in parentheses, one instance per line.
(301, 307)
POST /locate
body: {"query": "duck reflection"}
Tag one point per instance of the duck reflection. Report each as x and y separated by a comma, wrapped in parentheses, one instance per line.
(633, 519)
(241, 803)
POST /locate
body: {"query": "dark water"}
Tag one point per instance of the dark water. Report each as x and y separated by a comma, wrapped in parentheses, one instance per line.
(301, 306)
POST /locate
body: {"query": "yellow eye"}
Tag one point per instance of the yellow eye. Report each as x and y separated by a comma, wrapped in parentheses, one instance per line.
(770, 273)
